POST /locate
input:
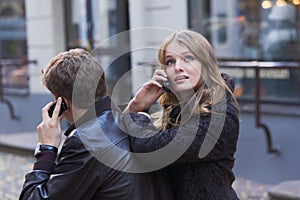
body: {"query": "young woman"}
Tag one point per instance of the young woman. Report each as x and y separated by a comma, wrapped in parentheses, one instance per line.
(197, 92)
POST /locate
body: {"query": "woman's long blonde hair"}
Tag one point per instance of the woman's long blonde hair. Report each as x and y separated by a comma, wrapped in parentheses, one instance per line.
(212, 86)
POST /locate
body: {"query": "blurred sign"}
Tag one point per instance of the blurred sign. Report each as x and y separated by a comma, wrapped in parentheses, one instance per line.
(264, 73)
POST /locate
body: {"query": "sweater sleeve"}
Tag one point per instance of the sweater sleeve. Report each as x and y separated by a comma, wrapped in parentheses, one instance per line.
(45, 161)
(207, 137)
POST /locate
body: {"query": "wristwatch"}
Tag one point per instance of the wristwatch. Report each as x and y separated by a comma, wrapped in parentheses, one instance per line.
(43, 147)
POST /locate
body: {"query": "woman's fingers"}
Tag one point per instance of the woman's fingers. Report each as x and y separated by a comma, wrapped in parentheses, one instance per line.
(160, 76)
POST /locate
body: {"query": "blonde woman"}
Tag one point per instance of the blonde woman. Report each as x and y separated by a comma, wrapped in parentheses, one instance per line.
(197, 92)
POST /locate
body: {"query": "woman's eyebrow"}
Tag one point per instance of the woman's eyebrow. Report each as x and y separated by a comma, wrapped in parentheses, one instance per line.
(186, 52)
(183, 53)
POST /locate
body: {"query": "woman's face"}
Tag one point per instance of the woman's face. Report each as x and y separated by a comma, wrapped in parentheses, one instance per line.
(182, 68)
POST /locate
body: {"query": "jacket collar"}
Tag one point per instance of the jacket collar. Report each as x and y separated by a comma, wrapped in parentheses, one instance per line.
(101, 105)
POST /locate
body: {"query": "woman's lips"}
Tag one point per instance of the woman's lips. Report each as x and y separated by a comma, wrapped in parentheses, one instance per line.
(180, 78)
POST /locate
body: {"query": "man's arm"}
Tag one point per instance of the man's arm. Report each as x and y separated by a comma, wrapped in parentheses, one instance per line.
(68, 179)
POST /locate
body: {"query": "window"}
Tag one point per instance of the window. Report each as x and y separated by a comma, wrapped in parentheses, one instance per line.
(93, 25)
(260, 30)
(13, 48)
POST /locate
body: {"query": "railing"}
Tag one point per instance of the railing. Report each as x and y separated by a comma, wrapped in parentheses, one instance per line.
(14, 62)
(257, 66)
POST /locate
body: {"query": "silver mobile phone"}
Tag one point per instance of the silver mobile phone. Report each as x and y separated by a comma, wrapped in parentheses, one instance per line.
(166, 86)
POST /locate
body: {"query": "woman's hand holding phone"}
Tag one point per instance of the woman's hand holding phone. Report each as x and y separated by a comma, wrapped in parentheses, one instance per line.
(149, 92)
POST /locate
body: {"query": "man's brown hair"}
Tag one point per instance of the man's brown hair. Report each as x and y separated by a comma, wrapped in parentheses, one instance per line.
(77, 76)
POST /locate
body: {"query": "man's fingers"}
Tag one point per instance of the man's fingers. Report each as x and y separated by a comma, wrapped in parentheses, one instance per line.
(57, 108)
(45, 110)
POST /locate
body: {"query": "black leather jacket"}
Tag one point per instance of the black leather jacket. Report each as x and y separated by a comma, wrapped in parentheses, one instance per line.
(84, 170)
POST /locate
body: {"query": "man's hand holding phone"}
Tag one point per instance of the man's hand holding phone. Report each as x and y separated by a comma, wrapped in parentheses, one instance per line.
(49, 130)
(63, 107)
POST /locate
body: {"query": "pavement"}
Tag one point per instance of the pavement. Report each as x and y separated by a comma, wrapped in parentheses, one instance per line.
(20, 143)
(12, 174)
(20, 148)
(16, 159)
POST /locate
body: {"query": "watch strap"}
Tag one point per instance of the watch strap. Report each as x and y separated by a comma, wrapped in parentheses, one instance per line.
(45, 147)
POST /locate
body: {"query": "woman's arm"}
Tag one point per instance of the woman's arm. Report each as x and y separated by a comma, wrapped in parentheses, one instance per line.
(202, 138)
(148, 93)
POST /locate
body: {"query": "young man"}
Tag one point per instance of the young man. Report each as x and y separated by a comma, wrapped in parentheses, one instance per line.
(95, 161)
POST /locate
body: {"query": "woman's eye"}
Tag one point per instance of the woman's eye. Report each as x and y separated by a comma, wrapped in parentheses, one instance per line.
(169, 62)
(189, 58)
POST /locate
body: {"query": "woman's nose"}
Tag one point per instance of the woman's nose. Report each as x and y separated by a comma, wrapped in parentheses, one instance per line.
(178, 65)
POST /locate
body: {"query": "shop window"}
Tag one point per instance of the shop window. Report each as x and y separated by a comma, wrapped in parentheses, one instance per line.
(257, 30)
(13, 48)
(222, 32)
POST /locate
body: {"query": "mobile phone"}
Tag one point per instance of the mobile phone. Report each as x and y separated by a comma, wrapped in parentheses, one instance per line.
(165, 87)
(63, 107)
